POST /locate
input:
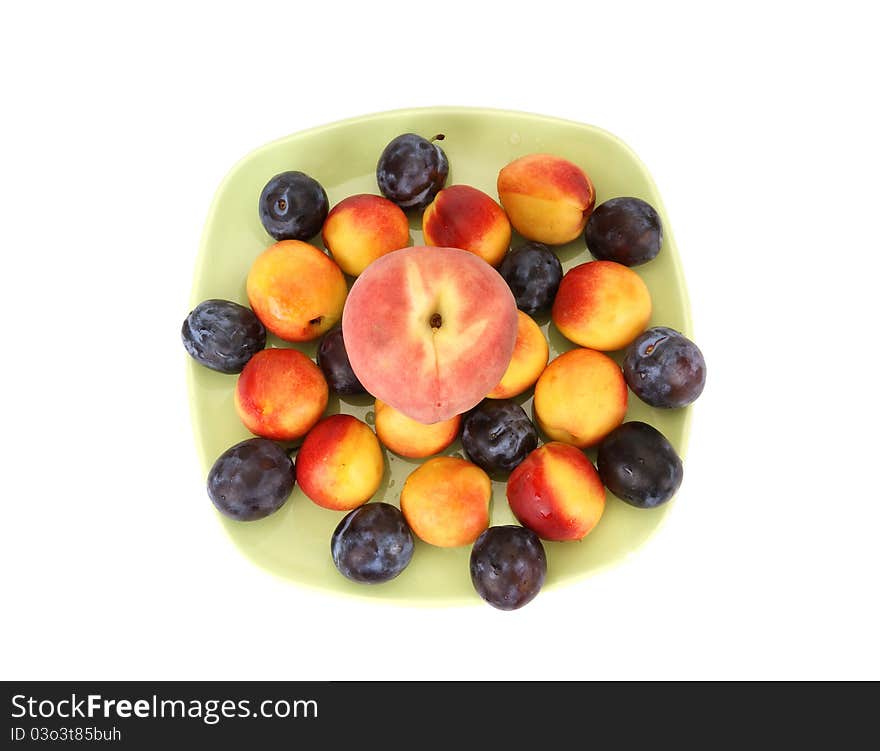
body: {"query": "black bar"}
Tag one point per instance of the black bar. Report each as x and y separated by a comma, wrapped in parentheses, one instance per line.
(392, 715)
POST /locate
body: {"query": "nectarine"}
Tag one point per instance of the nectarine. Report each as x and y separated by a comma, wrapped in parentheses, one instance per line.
(547, 198)
(530, 355)
(406, 437)
(580, 397)
(280, 394)
(446, 501)
(363, 227)
(340, 464)
(464, 217)
(602, 305)
(556, 492)
(296, 290)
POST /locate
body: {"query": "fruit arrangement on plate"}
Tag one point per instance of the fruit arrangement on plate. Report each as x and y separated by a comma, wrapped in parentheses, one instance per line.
(495, 357)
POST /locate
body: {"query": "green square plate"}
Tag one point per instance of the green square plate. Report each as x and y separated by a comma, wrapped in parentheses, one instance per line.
(294, 543)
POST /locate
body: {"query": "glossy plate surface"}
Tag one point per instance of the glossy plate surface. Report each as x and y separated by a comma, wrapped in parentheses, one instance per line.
(294, 543)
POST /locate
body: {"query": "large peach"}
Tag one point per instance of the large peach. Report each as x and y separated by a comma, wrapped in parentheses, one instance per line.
(580, 397)
(557, 493)
(296, 290)
(530, 355)
(602, 305)
(446, 501)
(464, 217)
(546, 198)
(361, 228)
(280, 394)
(340, 464)
(406, 437)
(429, 331)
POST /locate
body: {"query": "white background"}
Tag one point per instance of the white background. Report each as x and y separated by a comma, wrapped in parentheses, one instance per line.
(758, 124)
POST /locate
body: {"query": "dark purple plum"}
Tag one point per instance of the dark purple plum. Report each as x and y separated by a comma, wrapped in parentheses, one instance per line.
(533, 273)
(497, 435)
(664, 368)
(293, 206)
(638, 465)
(626, 230)
(412, 170)
(334, 364)
(222, 335)
(372, 544)
(251, 479)
(508, 566)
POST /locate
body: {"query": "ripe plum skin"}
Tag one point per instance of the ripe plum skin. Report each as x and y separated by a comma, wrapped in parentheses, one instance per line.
(251, 479)
(222, 335)
(293, 206)
(638, 465)
(411, 171)
(508, 566)
(664, 368)
(533, 273)
(372, 544)
(497, 435)
(334, 364)
(626, 230)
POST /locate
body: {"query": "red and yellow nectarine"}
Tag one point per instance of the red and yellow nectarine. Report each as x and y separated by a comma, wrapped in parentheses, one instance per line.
(446, 501)
(340, 464)
(406, 437)
(296, 290)
(580, 397)
(280, 394)
(530, 355)
(464, 217)
(362, 228)
(602, 305)
(557, 493)
(547, 198)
